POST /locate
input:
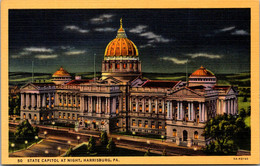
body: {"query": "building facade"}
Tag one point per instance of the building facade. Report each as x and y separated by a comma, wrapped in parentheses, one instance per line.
(122, 101)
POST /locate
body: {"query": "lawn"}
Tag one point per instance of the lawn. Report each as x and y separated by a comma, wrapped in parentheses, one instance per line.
(101, 151)
(18, 146)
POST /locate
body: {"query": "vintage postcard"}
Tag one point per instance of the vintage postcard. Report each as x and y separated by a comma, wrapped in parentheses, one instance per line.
(137, 82)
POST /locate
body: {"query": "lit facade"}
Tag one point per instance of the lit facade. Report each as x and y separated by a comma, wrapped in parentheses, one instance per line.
(121, 100)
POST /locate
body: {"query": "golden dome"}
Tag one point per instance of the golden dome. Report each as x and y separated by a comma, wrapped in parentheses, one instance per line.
(61, 73)
(202, 72)
(121, 45)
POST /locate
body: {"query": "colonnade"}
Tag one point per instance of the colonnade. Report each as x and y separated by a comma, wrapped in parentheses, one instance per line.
(36, 100)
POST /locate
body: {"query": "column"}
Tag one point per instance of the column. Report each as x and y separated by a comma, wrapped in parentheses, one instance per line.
(89, 104)
(27, 100)
(150, 106)
(38, 100)
(143, 105)
(181, 111)
(169, 111)
(76, 100)
(224, 106)
(113, 105)
(206, 112)
(66, 99)
(228, 106)
(44, 100)
(203, 112)
(22, 100)
(156, 105)
(100, 105)
(192, 112)
(189, 112)
(178, 110)
(108, 105)
(163, 106)
(49, 94)
(200, 114)
(137, 105)
(33, 100)
(81, 103)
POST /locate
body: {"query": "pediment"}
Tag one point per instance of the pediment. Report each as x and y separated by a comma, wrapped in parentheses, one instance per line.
(184, 92)
(231, 91)
(29, 86)
(111, 80)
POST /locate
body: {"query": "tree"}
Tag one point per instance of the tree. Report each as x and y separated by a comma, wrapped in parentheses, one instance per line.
(242, 113)
(111, 146)
(91, 145)
(147, 153)
(25, 131)
(245, 99)
(104, 138)
(164, 152)
(222, 130)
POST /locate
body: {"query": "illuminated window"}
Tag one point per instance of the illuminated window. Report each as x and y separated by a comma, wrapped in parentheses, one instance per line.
(117, 123)
(174, 133)
(196, 135)
(123, 124)
(73, 116)
(48, 117)
(133, 122)
(160, 125)
(78, 117)
(153, 125)
(146, 108)
(118, 66)
(52, 98)
(35, 117)
(117, 110)
(139, 123)
(24, 116)
(60, 104)
(131, 66)
(146, 124)
(134, 107)
(140, 108)
(48, 106)
(153, 108)
(102, 123)
(110, 66)
(41, 118)
(68, 115)
(64, 117)
(160, 109)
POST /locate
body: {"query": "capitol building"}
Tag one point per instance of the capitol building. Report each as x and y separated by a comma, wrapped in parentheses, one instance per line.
(123, 101)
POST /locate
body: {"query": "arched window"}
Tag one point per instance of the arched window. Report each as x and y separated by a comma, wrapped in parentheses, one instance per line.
(196, 135)
(30, 116)
(124, 65)
(174, 133)
(35, 117)
(24, 115)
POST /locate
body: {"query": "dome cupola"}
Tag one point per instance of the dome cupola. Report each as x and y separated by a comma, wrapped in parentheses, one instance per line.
(121, 46)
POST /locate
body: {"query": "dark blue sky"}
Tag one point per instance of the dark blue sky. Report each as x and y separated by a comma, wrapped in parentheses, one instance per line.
(218, 39)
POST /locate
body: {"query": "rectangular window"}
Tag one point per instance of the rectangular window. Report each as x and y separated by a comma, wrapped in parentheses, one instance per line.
(160, 125)
(133, 122)
(153, 125)
(146, 124)
(140, 108)
(160, 109)
(139, 123)
(153, 108)
(134, 107)
(147, 108)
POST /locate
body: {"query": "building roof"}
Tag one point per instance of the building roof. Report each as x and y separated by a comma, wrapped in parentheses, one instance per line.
(61, 73)
(121, 45)
(202, 71)
(196, 87)
(78, 82)
(160, 84)
(221, 87)
(43, 84)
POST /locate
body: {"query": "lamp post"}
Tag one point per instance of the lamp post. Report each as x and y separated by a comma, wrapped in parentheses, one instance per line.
(69, 142)
(53, 123)
(25, 142)
(46, 152)
(133, 133)
(45, 133)
(36, 138)
(162, 137)
(59, 148)
(78, 138)
(12, 145)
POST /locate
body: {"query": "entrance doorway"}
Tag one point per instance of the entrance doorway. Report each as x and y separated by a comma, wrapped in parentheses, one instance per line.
(185, 135)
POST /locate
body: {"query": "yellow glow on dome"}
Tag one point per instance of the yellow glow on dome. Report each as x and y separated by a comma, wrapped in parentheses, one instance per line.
(121, 45)
(61, 73)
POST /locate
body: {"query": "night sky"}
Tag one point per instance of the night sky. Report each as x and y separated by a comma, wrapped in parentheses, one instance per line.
(218, 39)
